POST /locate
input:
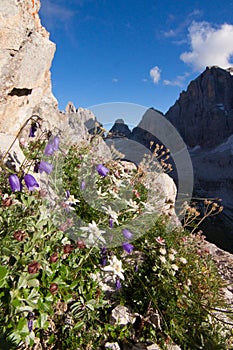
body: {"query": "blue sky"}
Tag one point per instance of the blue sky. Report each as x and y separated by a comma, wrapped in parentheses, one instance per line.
(136, 51)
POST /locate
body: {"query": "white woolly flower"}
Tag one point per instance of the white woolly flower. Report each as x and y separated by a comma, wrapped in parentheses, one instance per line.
(71, 200)
(100, 193)
(95, 234)
(163, 251)
(174, 267)
(183, 260)
(115, 267)
(163, 259)
(132, 204)
(173, 251)
(149, 208)
(111, 213)
(113, 192)
(171, 257)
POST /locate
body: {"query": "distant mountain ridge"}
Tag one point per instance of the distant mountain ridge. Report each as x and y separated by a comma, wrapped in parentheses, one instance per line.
(203, 116)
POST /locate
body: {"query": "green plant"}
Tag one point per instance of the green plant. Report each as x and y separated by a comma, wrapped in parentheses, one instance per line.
(90, 240)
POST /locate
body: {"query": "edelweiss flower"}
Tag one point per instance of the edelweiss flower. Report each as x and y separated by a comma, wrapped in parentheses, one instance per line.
(162, 258)
(115, 267)
(95, 233)
(132, 204)
(148, 207)
(171, 257)
(183, 260)
(100, 193)
(163, 251)
(71, 200)
(174, 267)
(113, 215)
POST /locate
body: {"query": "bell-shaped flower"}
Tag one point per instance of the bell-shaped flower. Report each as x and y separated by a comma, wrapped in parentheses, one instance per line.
(33, 129)
(127, 247)
(30, 182)
(102, 170)
(45, 166)
(56, 142)
(83, 185)
(127, 234)
(15, 183)
(49, 149)
(118, 284)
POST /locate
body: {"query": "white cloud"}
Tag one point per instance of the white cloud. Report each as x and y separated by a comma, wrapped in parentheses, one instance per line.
(115, 80)
(170, 33)
(155, 73)
(55, 14)
(209, 46)
(178, 81)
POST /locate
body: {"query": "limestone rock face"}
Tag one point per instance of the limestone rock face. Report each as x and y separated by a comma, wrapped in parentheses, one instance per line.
(204, 117)
(204, 113)
(26, 54)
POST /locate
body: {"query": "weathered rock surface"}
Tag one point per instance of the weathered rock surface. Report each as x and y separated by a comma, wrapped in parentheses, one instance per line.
(120, 129)
(204, 117)
(213, 178)
(26, 54)
(203, 114)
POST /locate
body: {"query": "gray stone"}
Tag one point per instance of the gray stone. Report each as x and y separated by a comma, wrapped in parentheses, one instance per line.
(26, 55)
(112, 346)
(121, 315)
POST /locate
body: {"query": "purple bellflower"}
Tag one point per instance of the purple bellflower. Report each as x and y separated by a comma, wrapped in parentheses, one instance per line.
(49, 150)
(127, 247)
(56, 142)
(102, 170)
(15, 183)
(30, 182)
(45, 166)
(127, 234)
(30, 318)
(104, 256)
(52, 147)
(83, 185)
(111, 223)
(118, 284)
(33, 129)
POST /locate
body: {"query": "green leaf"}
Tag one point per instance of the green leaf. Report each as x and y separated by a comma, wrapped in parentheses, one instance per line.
(22, 326)
(78, 325)
(33, 282)
(42, 320)
(3, 274)
(16, 303)
(22, 282)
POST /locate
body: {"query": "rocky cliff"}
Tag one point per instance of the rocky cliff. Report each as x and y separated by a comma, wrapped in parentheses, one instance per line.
(26, 55)
(204, 113)
(204, 117)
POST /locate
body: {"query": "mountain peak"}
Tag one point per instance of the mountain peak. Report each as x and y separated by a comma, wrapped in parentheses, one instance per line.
(203, 114)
